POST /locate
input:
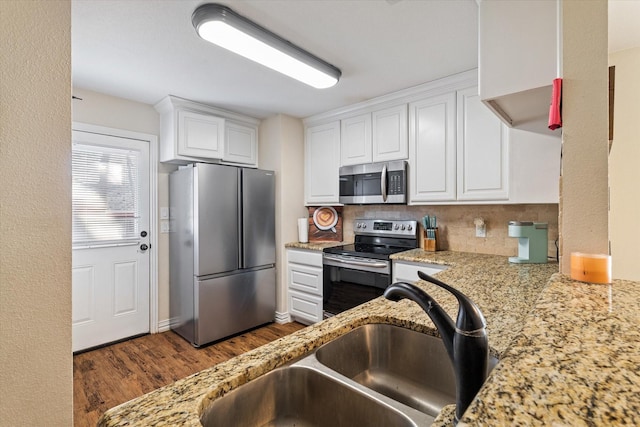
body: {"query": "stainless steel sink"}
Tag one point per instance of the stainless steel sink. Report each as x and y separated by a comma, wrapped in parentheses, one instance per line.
(407, 366)
(375, 375)
(300, 396)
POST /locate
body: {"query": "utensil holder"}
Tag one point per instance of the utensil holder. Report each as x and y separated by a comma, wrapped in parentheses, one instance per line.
(430, 240)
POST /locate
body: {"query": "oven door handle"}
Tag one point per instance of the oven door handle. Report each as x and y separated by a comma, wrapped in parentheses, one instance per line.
(383, 182)
(359, 263)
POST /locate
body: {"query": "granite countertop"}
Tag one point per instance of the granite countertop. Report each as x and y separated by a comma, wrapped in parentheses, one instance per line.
(568, 362)
(576, 362)
(314, 246)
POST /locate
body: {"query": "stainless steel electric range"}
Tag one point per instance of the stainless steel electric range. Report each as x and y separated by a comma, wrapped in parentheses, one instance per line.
(356, 273)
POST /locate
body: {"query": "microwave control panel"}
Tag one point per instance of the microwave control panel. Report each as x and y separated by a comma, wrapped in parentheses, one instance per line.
(396, 182)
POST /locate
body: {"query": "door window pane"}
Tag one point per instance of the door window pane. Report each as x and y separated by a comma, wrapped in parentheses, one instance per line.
(105, 194)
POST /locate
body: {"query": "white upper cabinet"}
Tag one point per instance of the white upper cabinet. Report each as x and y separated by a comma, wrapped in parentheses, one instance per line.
(200, 135)
(482, 150)
(192, 132)
(534, 160)
(389, 134)
(355, 140)
(516, 72)
(458, 151)
(377, 136)
(432, 149)
(241, 144)
(322, 163)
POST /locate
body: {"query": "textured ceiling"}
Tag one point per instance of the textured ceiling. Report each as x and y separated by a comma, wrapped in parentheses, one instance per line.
(144, 49)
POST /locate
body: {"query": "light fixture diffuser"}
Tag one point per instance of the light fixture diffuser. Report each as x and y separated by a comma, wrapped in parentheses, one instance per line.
(222, 26)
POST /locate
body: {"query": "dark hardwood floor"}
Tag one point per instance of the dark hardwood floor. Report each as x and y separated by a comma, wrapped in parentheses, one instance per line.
(109, 376)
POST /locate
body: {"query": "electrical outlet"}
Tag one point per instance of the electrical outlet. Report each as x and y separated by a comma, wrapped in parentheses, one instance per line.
(164, 213)
(481, 227)
(164, 226)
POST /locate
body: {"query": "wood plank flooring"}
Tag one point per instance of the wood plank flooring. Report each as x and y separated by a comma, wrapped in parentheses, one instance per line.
(112, 375)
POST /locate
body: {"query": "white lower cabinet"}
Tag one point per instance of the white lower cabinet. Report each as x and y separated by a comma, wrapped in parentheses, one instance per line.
(304, 285)
(404, 271)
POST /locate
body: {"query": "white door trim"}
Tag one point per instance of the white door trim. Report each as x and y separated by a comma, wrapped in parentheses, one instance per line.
(153, 202)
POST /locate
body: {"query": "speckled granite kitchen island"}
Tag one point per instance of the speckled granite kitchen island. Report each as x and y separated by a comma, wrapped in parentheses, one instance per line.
(570, 361)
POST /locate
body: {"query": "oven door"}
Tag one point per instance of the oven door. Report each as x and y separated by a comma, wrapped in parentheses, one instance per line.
(350, 281)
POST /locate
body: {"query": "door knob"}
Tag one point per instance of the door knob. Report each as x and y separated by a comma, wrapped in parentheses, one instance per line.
(144, 247)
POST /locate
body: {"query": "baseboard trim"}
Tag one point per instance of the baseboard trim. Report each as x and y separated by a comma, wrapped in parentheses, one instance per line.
(283, 317)
(164, 325)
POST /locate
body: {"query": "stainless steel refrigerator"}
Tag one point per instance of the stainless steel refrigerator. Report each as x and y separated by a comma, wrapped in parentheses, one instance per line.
(222, 250)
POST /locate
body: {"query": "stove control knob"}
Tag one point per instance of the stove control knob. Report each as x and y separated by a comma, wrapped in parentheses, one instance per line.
(358, 225)
(409, 227)
(403, 226)
(364, 225)
(395, 227)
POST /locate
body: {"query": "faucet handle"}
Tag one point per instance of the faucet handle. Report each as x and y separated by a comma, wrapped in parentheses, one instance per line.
(470, 318)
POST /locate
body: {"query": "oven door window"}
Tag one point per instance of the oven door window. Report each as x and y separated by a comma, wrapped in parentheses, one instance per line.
(345, 288)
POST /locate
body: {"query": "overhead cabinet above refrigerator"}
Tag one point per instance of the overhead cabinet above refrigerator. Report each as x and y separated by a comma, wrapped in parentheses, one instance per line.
(222, 250)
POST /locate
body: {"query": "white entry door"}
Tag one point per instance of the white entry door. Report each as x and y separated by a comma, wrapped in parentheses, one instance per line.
(110, 279)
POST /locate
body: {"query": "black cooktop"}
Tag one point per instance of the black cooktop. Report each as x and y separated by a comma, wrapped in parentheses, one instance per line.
(366, 250)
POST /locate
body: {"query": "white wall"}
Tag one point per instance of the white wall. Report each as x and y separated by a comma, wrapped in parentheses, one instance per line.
(584, 183)
(36, 381)
(624, 173)
(281, 148)
(118, 113)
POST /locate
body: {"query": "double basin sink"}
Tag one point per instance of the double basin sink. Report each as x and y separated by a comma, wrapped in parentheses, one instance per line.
(372, 376)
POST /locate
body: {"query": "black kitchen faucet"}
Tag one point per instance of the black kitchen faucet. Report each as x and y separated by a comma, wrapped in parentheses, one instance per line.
(466, 341)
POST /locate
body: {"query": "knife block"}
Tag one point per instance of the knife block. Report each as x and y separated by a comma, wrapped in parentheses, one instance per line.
(430, 245)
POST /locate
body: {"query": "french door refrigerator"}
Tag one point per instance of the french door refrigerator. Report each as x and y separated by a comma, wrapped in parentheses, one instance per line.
(222, 250)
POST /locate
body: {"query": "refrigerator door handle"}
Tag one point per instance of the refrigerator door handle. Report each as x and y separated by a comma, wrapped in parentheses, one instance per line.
(241, 243)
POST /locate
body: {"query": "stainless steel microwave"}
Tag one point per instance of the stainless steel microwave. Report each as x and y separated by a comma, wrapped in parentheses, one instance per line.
(374, 183)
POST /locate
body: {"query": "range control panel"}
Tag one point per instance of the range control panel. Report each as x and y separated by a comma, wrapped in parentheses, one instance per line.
(383, 227)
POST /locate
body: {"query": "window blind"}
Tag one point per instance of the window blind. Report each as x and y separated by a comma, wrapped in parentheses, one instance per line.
(105, 200)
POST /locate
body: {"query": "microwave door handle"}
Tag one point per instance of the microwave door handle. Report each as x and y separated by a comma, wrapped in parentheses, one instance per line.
(383, 183)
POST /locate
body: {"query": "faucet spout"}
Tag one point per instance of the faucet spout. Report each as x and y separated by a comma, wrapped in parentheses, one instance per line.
(440, 318)
(466, 342)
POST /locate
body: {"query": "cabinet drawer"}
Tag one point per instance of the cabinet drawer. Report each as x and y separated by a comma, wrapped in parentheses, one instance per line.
(305, 308)
(305, 278)
(311, 258)
(408, 272)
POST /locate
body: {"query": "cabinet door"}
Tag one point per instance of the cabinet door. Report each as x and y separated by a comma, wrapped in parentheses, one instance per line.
(482, 150)
(305, 308)
(322, 159)
(355, 140)
(200, 135)
(408, 271)
(432, 143)
(240, 144)
(390, 140)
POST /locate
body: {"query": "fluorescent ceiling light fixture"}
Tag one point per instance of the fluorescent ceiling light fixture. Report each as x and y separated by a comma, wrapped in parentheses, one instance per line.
(222, 26)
